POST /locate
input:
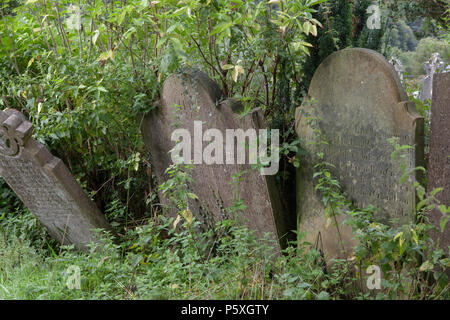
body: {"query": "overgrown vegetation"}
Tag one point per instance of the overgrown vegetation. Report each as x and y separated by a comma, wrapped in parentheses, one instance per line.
(84, 72)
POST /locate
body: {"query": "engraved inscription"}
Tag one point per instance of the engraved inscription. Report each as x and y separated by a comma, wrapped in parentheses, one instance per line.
(36, 188)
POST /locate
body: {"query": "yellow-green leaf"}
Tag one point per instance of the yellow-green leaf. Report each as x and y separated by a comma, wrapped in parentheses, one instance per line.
(236, 71)
(426, 266)
(106, 55)
(398, 235)
(306, 27)
(313, 30)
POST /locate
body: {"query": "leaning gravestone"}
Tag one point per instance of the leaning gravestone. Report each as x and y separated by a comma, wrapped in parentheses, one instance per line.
(358, 101)
(439, 159)
(191, 97)
(44, 184)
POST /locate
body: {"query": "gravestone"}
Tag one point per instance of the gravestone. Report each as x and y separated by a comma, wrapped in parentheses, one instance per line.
(192, 96)
(358, 102)
(44, 184)
(439, 158)
(432, 66)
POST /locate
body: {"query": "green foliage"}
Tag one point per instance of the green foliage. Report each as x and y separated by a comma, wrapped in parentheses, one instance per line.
(6, 6)
(85, 73)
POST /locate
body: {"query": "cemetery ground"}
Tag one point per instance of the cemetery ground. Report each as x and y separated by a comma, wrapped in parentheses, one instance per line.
(93, 207)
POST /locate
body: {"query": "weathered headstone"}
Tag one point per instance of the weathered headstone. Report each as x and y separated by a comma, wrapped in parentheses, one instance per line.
(358, 101)
(44, 183)
(432, 66)
(439, 158)
(193, 96)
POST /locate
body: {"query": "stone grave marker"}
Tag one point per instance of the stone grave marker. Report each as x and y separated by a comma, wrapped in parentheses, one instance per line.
(192, 97)
(44, 183)
(398, 66)
(359, 102)
(439, 158)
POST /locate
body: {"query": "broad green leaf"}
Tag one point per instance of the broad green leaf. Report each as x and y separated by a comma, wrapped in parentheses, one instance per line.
(221, 27)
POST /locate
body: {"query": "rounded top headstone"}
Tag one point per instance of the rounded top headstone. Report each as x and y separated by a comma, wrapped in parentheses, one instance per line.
(358, 81)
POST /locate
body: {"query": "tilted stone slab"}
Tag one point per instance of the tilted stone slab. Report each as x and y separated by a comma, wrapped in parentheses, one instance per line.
(439, 158)
(193, 96)
(360, 103)
(44, 184)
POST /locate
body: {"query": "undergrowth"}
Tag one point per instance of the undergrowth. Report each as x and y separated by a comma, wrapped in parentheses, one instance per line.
(169, 258)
